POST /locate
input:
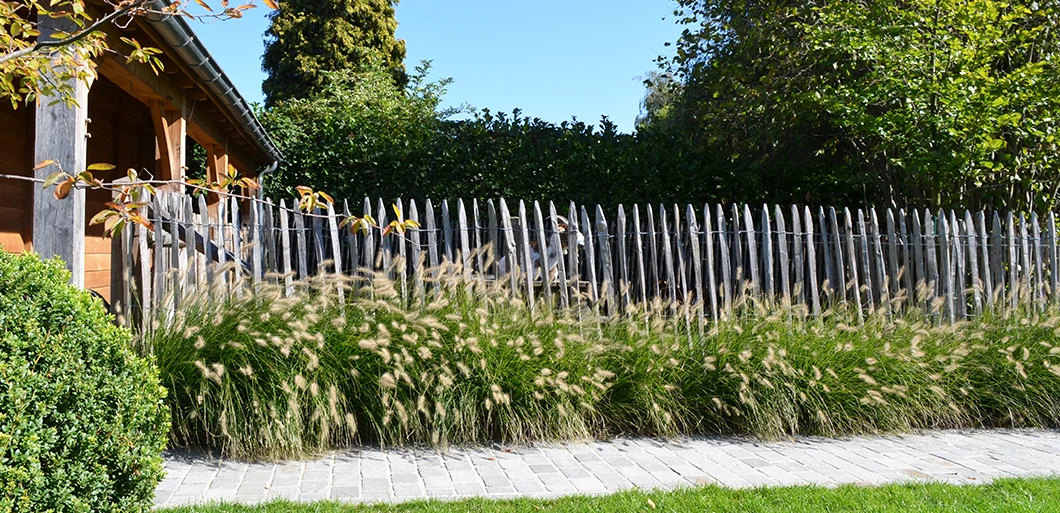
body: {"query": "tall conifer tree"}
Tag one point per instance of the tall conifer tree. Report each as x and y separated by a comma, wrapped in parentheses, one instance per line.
(308, 37)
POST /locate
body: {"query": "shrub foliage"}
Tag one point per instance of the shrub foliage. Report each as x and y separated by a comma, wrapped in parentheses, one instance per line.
(264, 375)
(82, 420)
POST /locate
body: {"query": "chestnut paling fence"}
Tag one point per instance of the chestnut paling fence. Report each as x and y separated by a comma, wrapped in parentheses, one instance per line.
(704, 259)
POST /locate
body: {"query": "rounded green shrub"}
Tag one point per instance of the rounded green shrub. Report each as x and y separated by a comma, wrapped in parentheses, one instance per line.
(82, 418)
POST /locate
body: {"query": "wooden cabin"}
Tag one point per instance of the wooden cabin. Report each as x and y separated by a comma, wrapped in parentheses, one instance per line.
(128, 116)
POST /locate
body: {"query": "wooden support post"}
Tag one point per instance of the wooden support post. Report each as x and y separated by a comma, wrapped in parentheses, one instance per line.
(61, 135)
(171, 132)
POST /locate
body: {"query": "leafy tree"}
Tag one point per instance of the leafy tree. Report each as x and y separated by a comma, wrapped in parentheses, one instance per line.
(916, 102)
(660, 99)
(308, 38)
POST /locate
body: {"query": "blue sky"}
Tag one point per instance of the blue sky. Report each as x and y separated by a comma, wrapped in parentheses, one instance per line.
(553, 59)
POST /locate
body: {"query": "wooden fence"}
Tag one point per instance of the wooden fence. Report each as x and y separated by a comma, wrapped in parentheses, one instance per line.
(708, 258)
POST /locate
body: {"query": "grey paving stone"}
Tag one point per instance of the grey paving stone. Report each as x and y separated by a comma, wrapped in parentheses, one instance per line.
(371, 475)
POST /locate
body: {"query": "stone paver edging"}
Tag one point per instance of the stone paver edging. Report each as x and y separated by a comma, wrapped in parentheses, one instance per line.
(367, 475)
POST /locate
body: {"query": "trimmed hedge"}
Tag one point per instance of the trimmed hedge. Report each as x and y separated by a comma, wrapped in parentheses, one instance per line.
(82, 419)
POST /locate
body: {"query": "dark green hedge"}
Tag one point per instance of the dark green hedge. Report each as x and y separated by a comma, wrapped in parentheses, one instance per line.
(82, 420)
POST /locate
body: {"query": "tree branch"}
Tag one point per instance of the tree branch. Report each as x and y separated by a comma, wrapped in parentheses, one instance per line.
(83, 33)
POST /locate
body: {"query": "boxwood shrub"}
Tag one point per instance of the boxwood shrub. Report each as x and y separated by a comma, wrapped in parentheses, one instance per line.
(82, 418)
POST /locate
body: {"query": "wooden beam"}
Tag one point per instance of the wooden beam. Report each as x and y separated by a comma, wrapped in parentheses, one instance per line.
(171, 131)
(144, 85)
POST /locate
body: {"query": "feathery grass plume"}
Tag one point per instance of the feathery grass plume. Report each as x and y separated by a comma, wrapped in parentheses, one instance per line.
(467, 362)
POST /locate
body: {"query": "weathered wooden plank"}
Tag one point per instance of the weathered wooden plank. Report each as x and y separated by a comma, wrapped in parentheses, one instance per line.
(840, 267)
(464, 255)
(945, 264)
(189, 252)
(494, 253)
(512, 267)
(768, 290)
(832, 283)
(176, 272)
(300, 245)
(353, 257)
(638, 250)
(985, 272)
(590, 256)
(908, 273)
(739, 276)
(973, 263)
(528, 264)
(997, 256)
(929, 254)
(256, 243)
(371, 257)
(561, 272)
(668, 257)
(285, 249)
(386, 249)
(881, 270)
(697, 266)
(892, 258)
(1013, 262)
(222, 243)
(432, 238)
(542, 249)
(624, 285)
(852, 264)
(679, 255)
(866, 262)
(752, 252)
(1053, 277)
(1039, 296)
(205, 227)
(237, 246)
(726, 265)
(958, 267)
(811, 261)
(573, 237)
(476, 240)
(1026, 292)
(800, 290)
(415, 236)
(447, 234)
(336, 243)
(920, 293)
(319, 256)
(712, 282)
(653, 262)
(146, 290)
(400, 240)
(782, 253)
(157, 211)
(336, 247)
(607, 282)
(272, 260)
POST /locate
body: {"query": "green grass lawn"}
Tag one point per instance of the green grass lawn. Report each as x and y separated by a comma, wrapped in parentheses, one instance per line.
(1010, 495)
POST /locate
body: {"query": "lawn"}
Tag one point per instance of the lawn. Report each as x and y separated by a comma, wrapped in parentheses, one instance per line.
(1008, 495)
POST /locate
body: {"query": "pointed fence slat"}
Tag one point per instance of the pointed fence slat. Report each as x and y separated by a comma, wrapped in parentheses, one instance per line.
(432, 237)
(528, 264)
(708, 246)
(561, 272)
(945, 264)
(986, 257)
(638, 250)
(768, 290)
(811, 261)
(465, 239)
(653, 261)
(1053, 266)
(512, 267)
(882, 283)
(1039, 288)
(1026, 292)
(782, 252)
(752, 252)
(908, 273)
(973, 263)
(668, 256)
(726, 265)
(590, 256)
(929, 252)
(542, 249)
(285, 246)
(415, 235)
(892, 257)
(697, 267)
(799, 285)
(866, 262)
(574, 238)
(840, 268)
(957, 269)
(447, 233)
(607, 285)
(476, 239)
(623, 258)
(826, 257)
(494, 253)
